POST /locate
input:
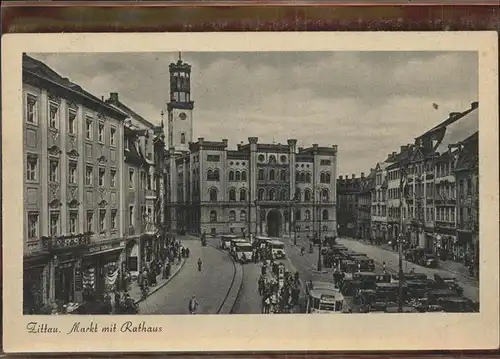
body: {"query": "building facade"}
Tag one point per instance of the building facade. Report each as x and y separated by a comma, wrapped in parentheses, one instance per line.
(348, 190)
(363, 217)
(73, 202)
(379, 203)
(143, 149)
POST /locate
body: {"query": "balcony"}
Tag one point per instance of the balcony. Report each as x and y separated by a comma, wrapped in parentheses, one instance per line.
(69, 242)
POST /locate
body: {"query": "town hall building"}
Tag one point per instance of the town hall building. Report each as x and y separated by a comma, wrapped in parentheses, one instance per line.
(262, 189)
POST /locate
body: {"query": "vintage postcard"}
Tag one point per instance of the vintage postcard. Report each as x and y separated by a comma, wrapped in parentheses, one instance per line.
(250, 191)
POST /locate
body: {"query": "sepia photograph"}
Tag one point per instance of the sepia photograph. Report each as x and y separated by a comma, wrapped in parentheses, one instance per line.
(283, 184)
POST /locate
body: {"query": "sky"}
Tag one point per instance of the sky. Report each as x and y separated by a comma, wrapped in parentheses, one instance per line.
(367, 103)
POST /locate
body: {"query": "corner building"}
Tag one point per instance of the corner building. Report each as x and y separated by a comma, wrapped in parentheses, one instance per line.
(266, 189)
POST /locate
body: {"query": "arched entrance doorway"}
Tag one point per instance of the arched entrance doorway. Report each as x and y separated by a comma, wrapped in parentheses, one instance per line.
(273, 223)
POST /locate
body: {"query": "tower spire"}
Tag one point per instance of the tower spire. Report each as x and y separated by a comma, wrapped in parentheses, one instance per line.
(180, 57)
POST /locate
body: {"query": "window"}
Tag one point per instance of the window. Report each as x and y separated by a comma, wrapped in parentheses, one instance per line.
(213, 216)
(243, 175)
(113, 219)
(261, 194)
(31, 109)
(53, 115)
(183, 138)
(71, 122)
(89, 175)
(210, 175)
(72, 173)
(261, 175)
(143, 180)
(231, 175)
(149, 181)
(131, 178)
(213, 195)
(243, 194)
(232, 216)
(32, 168)
(33, 225)
(101, 133)
(284, 195)
(131, 216)
(237, 176)
(325, 215)
(308, 177)
(307, 195)
(325, 196)
(90, 221)
(261, 158)
(298, 195)
(469, 186)
(112, 178)
(461, 187)
(112, 136)
(102, 175)
(452, 214)
(322, 178)
(54, 223)
(243, 216)
(216, 175)
(102, 220)
(88, 129)
(232, 194)
(272, 195)
(307, 215)
(297, 215)
(73, 222)
(302, 177)
(271, 175)
(272, 159)
(297, 177)
(53, 171)
(328, 178)
(283, 176)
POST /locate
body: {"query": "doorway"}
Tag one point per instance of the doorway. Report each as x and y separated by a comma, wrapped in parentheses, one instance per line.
(273, 223)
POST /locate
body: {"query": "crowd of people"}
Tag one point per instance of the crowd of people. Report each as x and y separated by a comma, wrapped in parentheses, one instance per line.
(279, 294)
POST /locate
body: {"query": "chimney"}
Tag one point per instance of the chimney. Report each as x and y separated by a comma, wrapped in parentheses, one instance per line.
(362, 175)
(200, 140)
(301, 149)
(113, 96)
(239, 146)
(341, 178)
(353, 176)
(224, 141)
(475, 104)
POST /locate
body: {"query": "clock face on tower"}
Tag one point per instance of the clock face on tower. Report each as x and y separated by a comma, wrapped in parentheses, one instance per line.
(182, 116)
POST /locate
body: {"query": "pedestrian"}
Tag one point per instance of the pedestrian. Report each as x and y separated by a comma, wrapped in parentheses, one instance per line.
(193, 305)
(117, 300)
(302, 250)
(183, 252)
(267, 304)
(187, 252)
(199, 264)
(383, 267)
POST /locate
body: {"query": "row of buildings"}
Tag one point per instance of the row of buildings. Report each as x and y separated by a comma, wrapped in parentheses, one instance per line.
(103, 186)
(428, 191)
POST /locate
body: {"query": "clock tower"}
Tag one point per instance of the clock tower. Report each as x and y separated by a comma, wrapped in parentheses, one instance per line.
(180, 107)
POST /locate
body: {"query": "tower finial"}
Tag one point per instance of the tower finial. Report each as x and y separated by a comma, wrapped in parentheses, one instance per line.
(180, 57)
(162, 113)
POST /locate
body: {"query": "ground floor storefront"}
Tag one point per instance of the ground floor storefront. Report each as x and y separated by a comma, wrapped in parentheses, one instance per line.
(379, 232)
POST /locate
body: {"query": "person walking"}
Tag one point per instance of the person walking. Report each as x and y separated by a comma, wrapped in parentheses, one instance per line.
(199, 264)
(193, 305)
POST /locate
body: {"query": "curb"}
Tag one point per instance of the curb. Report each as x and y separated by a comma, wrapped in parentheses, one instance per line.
(172, 276)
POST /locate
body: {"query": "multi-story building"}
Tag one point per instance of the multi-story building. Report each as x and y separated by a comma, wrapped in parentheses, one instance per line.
(379, 200)
(363, 216)
(467, 177)
(143, 141)
(347, 205)
(432, 199)
(272, 189)
(73, 200)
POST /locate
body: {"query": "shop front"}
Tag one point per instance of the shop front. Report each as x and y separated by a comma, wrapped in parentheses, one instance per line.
(132, 257)
(35, 285)
(464, 249)
(101, 269)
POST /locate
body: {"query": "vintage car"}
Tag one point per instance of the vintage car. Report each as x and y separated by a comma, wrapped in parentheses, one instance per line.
(448, 282)
(364, 263)
(422, 256)
(323, 297)
(418, 288)
(409, 276)
(456, 305)
(433, 296)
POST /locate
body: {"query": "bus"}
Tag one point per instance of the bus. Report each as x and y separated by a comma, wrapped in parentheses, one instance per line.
(323, 297)
(242, 252)
(225, 240)
(277, 248)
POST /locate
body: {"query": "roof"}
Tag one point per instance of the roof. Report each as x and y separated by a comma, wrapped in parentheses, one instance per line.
(458, 130)
(39, 69)
(120, 105)
(468, 157)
